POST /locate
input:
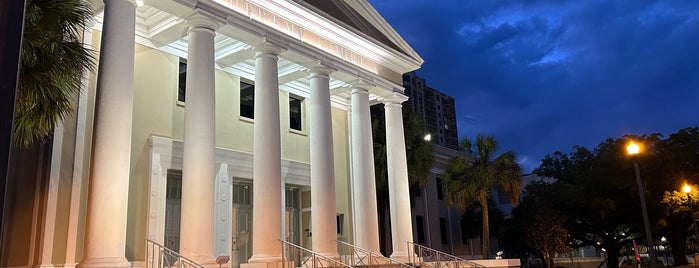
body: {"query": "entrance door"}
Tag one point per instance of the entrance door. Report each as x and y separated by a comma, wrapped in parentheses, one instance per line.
(241, 221)
(173, 208)
(242, 232)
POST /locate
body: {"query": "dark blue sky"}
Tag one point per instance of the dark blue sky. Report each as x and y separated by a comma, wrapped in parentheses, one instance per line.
(545, 75)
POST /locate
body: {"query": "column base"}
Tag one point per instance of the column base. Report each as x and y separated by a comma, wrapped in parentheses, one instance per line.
(271, 264)
(403, 257)
(205, 261)
(113, 262)
(44, 266)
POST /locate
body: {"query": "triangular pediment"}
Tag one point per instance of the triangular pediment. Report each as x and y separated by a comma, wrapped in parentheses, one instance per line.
(360, 17)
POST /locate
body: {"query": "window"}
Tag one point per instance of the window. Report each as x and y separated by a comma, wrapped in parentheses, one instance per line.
(241, 193)
(182, 82)
(440, 191)
(295, 113)
(247, 100)
(443, 231)
(340, 220)
(420, 225)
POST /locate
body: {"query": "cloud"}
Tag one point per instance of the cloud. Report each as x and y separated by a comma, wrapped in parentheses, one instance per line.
(546, 75)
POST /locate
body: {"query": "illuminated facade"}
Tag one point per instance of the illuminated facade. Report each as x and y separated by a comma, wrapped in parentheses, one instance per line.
(219, 127)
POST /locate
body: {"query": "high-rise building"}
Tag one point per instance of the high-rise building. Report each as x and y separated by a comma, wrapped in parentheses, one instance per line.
(437, 109)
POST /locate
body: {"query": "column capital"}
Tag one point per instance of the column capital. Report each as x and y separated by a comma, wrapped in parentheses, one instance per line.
(394, 99)
(320, 69)
(266, 48)
(199, 20)
(360, 86)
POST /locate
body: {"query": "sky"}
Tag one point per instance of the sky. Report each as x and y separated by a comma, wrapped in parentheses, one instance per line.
(545, 75)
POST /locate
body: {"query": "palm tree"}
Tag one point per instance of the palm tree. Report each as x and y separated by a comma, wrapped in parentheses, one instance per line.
(475, 172)
(53, 62)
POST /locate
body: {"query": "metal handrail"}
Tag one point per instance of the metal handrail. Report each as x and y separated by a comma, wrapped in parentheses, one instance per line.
(432, 258)
(361, 257)
(307, 258)
(158, 255)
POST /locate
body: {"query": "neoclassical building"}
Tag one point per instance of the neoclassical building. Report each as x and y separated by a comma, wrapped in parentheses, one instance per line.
(219, 128)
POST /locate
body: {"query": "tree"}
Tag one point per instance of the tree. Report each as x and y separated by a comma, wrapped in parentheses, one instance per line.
(536, 228)
(53, 63)
(547, 235)
(418, 155)
(595, 191)
(475, 172)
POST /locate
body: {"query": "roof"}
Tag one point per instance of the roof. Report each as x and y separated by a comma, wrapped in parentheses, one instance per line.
(360, 17)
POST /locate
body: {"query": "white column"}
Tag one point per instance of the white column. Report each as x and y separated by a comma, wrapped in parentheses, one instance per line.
(198, 168)
(105, 227)
(398, 188)
(323, 217)
(363, 178)
(267, 165)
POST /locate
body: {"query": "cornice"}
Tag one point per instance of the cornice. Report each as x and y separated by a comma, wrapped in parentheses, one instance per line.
(294, 20)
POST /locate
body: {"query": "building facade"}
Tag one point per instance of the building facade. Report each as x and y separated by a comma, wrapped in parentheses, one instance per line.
(218, 128)
(435, 224)
(437, 109)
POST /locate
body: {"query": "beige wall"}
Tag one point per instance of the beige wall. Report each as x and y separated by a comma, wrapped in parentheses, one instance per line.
(156, 112)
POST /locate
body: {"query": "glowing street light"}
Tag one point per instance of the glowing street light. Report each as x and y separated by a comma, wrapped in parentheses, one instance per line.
(634, 149)
(688, 189)
(427, 137)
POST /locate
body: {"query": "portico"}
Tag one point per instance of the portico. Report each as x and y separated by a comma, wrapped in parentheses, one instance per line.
(310, 79)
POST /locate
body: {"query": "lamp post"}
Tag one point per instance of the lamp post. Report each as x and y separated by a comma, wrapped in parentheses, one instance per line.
(687, 189)
(633, 149)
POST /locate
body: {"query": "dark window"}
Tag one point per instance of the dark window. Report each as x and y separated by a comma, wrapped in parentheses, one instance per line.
(241, 193)
(420, 225)
(182, 82)
(340, 219)
(443, 230)
(247, 100)
(440, 191)
(295, 115)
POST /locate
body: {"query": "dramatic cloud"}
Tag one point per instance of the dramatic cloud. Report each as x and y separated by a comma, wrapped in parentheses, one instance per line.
(546, 75)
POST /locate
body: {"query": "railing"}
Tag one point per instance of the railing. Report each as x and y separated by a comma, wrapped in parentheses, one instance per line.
(160, 256)
(306, 258)
(356, 256)
(430, 258)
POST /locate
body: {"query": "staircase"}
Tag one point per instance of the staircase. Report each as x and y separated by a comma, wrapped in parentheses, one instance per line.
(160, 256)
(430, 258)
(359, 257)
(297, 256)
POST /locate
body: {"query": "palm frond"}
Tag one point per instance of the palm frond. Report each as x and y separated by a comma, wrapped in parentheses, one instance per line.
(53, 64)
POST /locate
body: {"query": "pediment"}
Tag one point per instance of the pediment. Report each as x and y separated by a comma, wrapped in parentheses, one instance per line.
(360, 17)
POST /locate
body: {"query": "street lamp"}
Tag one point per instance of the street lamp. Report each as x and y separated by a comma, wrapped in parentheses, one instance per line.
(688, 189)
(633, 149)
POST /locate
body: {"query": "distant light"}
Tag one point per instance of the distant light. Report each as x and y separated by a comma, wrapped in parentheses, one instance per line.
(686, 188)
(663, 239)
(428, 137)
(633, 148)
(139, 3)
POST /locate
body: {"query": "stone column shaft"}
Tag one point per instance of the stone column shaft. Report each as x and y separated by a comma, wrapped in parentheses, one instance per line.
(105, 237)
(398, 186)
(323, 217)
(198, 170)
(363, 178)
(267, 170)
